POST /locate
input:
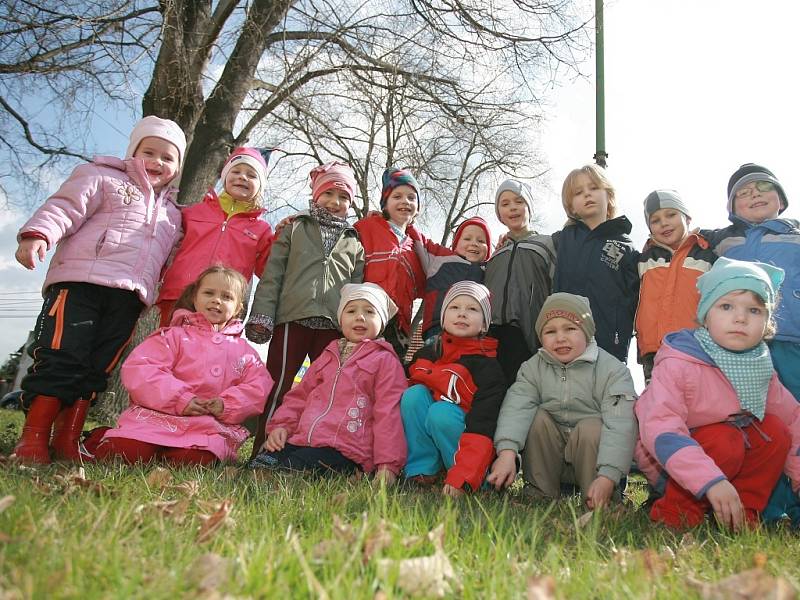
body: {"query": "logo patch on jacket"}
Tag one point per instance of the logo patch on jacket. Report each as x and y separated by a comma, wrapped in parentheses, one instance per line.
(613, 251)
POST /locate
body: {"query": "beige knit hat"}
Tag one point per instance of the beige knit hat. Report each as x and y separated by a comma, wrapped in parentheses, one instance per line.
(568, 306)
(373, 294)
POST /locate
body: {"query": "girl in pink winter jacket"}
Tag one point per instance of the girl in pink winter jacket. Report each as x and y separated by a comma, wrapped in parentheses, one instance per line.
(345, 414)
(192, 384)
(114, 223)
(716, 426)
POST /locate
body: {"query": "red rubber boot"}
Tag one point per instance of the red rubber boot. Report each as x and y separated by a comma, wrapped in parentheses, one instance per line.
(67, 433)
(33, 445)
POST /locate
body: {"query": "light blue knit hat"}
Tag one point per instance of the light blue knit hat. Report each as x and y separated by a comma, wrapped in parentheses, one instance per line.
(728, 275)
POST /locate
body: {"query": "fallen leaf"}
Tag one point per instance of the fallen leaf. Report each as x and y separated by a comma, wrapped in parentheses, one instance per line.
(77, 479)
(377, 540)
(189, 488)
(585, 519)
(424, 575)
(175, 509)
(753, 584)
(159, 478)
(209, 572)
(344, 531)
(212, 523)
(542, 588)
(655, 564)
(5, 502)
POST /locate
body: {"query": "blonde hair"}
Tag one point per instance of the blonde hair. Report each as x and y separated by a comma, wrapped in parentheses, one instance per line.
(598, 176)
(235, 279)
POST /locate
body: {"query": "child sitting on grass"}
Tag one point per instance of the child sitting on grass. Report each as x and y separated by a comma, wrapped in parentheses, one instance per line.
(193, 384)
(571, 409)
(449, 415)
(717, 428)
(344, 416)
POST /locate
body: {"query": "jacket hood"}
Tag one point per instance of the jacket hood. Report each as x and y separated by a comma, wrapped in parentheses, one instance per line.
(690, 239)
(454, 347)
(779, 225)
(684, 343)
(588, 356)
(363, 349)
(212, 198)
(187, 318)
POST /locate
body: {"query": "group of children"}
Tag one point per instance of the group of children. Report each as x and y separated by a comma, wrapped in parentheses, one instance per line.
(524, 344)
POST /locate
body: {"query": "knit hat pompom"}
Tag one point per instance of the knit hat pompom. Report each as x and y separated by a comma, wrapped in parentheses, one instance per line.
(477, 222)
(373, 294)
(394, 177)
(567, 306)
(748, 173)
(478, 291)
(333, 175)
(659, 199)
(250, 157)
(518, 188)
(728, 275)
(152, 126)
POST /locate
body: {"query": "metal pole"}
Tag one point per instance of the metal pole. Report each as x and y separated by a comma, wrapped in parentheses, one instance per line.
(600, 154)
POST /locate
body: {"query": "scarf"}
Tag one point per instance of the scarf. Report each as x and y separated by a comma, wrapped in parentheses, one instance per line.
(330, 227)
(749, 372)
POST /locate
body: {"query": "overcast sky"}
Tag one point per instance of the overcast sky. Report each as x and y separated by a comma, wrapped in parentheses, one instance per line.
(693, 90)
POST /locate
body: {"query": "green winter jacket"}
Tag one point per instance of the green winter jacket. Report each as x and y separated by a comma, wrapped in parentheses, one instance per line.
(298, 281)
(593, 385)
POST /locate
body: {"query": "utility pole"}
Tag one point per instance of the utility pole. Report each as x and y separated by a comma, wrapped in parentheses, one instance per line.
(600, 154)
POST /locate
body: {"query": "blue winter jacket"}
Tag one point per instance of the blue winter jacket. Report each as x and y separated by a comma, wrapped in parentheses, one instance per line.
(776, 242)
(601, 264)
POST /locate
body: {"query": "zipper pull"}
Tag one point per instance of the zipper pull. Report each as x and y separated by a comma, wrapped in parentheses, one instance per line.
(563, 373)
(616, 337)
(224, 224)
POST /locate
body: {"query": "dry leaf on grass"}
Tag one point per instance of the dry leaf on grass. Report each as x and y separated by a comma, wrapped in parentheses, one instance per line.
(654, 563)
(424, 575)
(5, 502)
(159, 478)
(585, 519)
(753, 584)
(542, 588)
(344, 531)
(77, 479)
(215, 521)
(377, 540)
(175, 509)
(188, 488)
(209, 572)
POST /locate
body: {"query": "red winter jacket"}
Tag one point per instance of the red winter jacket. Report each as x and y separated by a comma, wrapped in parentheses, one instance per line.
(465, 371)
(392, 265)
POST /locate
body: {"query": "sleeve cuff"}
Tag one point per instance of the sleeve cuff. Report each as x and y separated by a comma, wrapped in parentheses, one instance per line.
(182, 402)
(506, 445)
(612, 473)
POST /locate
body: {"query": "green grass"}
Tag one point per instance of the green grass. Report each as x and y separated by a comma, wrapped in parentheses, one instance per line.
(304, 537)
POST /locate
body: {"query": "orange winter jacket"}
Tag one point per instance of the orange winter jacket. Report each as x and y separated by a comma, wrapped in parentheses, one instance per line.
(668, 295)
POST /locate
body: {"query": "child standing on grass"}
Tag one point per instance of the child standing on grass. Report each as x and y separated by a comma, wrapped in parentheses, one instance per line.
(463, 261)
(717, 427)
(520, 275)
(114, 223)
(193, 384)
(227, 229)
(450, 412)
(391, 262)
(669, 266)
(596, 257)
(344, 416)
(296, 300)
(571, 409)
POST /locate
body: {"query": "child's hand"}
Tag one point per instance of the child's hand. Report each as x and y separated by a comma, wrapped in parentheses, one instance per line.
(504, 470)
(726, 503)
(195, 408)
(599, 492)
(215, 406)
(453, 492)
(28, 250)
(276, 440)
(382, 473)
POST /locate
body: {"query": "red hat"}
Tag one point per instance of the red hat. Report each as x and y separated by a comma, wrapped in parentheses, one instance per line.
(479, 222)
(250, 157)
(333, 175)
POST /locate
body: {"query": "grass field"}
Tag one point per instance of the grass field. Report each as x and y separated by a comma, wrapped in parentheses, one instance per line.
(145, 532)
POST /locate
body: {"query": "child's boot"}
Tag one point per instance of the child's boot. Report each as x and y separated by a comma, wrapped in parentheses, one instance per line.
(33, 445)
(67, 433)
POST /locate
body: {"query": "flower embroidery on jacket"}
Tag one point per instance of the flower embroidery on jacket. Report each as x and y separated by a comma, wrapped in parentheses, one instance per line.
(129, 192)
(240, 365)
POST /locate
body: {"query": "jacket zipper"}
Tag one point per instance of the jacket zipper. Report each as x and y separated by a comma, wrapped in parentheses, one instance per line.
(333, 391)
(508, 280)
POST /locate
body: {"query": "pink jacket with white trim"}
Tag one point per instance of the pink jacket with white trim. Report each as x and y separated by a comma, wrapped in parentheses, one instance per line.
(111, 228)
(353, 407)
(689, 391)
(185, 360)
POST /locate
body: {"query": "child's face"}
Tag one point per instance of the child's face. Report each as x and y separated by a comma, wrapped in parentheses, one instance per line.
(160, 161)
(513, 211)
(669, 227)
(563, 339)
(216, 299)
(242, 183)
(463, 317)
(589, 201)
(473, 244)
(757, 205)
(737, 321)
(402, 205)
(335, 201)
(360, 321)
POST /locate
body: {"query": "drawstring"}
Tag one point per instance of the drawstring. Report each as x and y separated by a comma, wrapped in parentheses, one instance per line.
(742, 420)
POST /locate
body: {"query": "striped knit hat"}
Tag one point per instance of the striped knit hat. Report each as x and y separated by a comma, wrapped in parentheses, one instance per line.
(478, 291)
(394, 177)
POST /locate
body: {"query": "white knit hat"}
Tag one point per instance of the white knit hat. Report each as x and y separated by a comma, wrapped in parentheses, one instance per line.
(373, 294)
(152, 126)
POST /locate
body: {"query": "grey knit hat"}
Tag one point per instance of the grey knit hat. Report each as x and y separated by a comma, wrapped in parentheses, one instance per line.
(478, 291)
(659, 199)
(749, 172)
(519, 188)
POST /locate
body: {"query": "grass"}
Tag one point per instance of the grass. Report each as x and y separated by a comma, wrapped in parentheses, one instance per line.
(113, 536)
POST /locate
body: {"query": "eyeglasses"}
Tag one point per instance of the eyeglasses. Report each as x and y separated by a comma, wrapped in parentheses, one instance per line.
(761, 186)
